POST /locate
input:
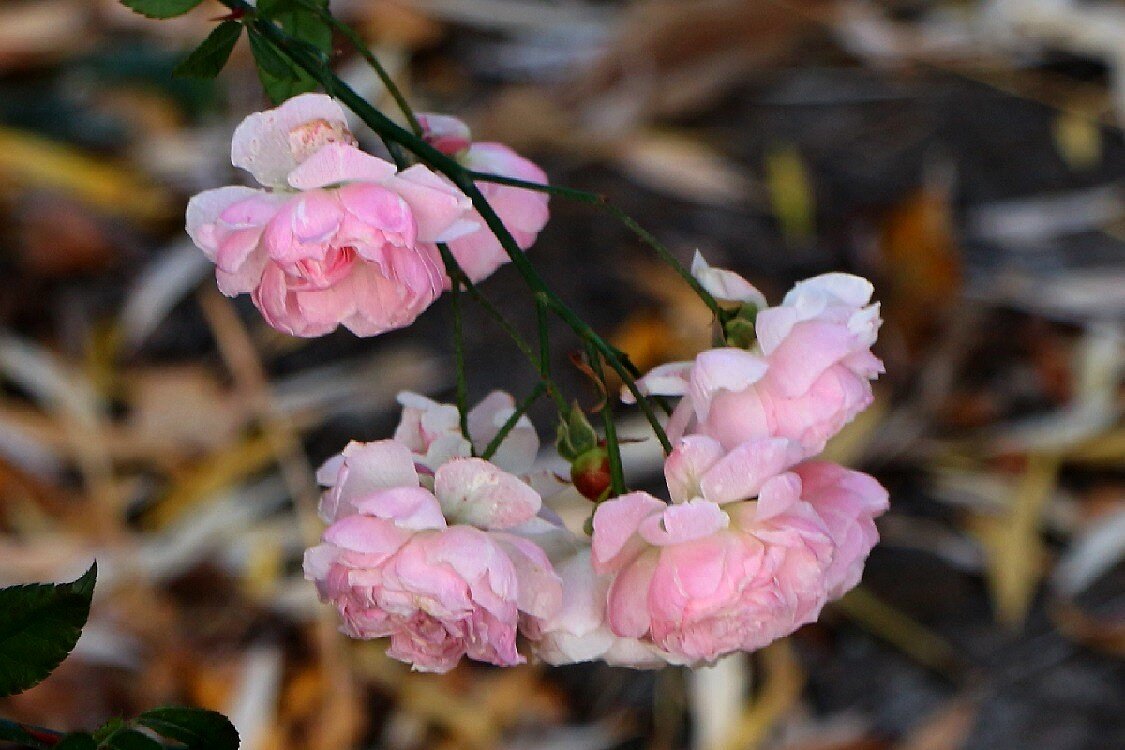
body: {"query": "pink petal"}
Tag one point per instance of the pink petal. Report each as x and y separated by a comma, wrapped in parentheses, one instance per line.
(683, 522)
(627, 605)
(337, 163)
(435, 202)
(519, 448)
(540, 589)
(686, 465)
(664, 380)
(724, 285)
(261, 144)
(204, 209)
(303, 227)
(379, 211)
(366, 535)
(615, 522)
(447, 134)
(722, 369)
(778, 495)
(412, 508)
(497, 158)
(740, 474)
(838, 288)
(475, 492)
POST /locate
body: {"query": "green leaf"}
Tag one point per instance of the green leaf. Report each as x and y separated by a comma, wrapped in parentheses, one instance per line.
(280, 78)
(111, 726)
(302, 20)
(575, 435)
(269, 59)
(195, 727)
(161, 8)
(39, 625)
(208, 59)
(77, 741)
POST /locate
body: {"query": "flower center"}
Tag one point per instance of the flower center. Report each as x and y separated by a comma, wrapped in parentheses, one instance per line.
(321, 273)
(305, 140)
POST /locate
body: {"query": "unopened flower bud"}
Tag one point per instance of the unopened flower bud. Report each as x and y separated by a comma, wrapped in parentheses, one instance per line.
(590, 474)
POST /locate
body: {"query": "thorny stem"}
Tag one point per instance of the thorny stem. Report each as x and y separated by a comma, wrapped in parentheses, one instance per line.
(512, 421)
(613, 446)
(461, 178)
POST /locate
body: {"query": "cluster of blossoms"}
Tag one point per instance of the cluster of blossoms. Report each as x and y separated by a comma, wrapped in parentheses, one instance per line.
(451, 555)
(336, 236)
(447, 544)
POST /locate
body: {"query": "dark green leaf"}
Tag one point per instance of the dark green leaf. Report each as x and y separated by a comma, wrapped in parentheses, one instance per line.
(279, 76)
(77, 741)
(212, 54)
(161, 8)
(111, 726)
(269, 60)
(39, 625)
(129, 739)
(302, 20)
(195, 727)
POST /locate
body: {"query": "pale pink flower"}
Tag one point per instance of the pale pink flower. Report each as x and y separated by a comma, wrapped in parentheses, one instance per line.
(737, 561)
(725, 286)
(337, 237)
(809, 376)
(432, 431)
(523, 212)
(437, 571)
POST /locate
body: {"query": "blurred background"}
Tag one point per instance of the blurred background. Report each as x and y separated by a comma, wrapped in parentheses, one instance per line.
(967, 156)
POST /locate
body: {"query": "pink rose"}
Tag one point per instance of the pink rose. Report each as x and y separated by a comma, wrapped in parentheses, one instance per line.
(809, 377)
(523, 212)
(737, 561)
(337, 237)
(438, 572)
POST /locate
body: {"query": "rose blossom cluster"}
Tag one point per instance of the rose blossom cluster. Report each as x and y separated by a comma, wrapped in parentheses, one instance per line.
(447, 543)
(336, 236)
(450, 555)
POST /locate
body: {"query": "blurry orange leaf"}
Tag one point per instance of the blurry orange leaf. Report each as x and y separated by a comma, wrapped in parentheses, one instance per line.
(921, 263)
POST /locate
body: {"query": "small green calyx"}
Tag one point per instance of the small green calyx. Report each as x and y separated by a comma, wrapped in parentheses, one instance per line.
(738, 329)
(575, 434)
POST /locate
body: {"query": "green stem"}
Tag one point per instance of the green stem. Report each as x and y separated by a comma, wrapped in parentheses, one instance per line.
(545, 353)
(613, 446)
(455, 272)
(604, 204)
(459, 358)
(512, 421)
(361, 47)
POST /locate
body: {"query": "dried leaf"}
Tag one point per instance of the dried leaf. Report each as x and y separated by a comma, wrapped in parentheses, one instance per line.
(39, 163)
